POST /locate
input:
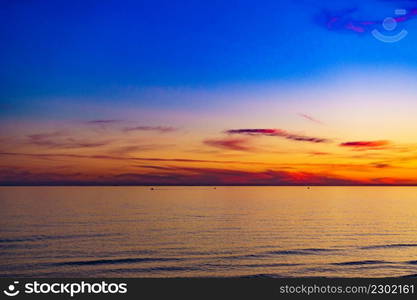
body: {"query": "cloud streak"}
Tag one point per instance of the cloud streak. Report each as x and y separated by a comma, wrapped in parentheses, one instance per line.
(160, 172)
(189, 176)
(176, 176)
(366, 145)
(238, 144)
(103, 122)
(48, 156)
(343, 20)
(310, 118)
(278, 133)
(58, 140)
(162, 129)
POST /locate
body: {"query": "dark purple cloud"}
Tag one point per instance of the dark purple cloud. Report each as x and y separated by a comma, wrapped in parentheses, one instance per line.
(278, 133)
(344, 20)
(161, 129)
(103, 122)
(47, 135)
(60, 140)
(239, 144)
(19, 176)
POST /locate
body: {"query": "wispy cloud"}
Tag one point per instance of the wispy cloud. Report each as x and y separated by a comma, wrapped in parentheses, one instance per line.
(344, 20)
(192, 176)
(366, 145)
(17, 176)
(46, 135)
(310, 118)
(177, 176)
(103, 122)
(162, 129)
(123, 150)
(50, 156)
(278, 133)
(61, 140)
(150, 172)
(238, 144)
(381, 165)
(320, 153)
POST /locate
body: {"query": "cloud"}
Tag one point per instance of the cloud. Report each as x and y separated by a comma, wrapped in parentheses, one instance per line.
(393, 181)
(155, 167)
(319, 153)
(177, 176)
(344, 20)
(51, 156)
(156, 173)
(138, 148)
(162, 129)
(366, 145)
(278, 133)
(310, 118)
(17, 176)
(48, 135)
(238, 144)
(381, 165)
(103, 122)
(59, 140)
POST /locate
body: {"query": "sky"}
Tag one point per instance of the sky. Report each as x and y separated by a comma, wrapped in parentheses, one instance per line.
(208, 92)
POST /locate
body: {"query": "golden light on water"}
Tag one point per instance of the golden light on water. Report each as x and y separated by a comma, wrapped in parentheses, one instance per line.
(202, 231)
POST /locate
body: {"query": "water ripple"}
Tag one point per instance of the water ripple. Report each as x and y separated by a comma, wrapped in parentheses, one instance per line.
(114, 261)
(361, 262)
(388, 246)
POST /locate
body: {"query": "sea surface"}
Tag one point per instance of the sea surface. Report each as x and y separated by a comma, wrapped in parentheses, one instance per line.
(208, 232)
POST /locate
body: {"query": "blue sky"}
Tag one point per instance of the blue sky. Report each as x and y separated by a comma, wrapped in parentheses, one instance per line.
(104, 50)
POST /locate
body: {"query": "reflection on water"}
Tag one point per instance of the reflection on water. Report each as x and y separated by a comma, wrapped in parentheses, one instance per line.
(199, 231)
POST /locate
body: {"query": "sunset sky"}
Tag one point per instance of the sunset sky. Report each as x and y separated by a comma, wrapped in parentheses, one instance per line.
(207, 93)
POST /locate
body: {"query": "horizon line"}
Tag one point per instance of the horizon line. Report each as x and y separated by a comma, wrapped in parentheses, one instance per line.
(208, 185)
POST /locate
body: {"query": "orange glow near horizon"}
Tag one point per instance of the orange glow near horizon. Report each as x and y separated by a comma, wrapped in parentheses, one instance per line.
(366, 140)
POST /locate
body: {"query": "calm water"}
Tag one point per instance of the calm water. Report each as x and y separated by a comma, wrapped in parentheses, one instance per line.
(199, 231)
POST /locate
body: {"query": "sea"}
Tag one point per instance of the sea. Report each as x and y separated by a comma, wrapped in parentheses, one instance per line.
(335, 232)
